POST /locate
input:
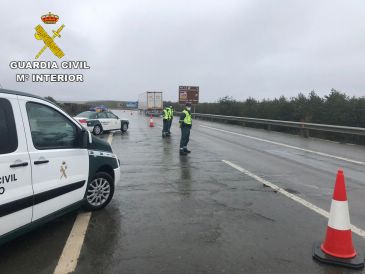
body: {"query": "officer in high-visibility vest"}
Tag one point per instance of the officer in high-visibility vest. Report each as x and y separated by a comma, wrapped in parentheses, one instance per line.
(165, 120)
(171, 116)
(185, 125)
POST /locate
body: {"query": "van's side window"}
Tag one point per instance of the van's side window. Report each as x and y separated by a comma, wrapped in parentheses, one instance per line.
(8, 135)
(49, 128)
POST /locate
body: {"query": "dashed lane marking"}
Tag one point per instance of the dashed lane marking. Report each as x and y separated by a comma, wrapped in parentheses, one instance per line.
(289, 146)
(295, 198)
(71, 251)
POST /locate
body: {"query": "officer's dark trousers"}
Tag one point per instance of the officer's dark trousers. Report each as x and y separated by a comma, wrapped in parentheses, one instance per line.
(169, 123)
(185, 134)
(165, 125)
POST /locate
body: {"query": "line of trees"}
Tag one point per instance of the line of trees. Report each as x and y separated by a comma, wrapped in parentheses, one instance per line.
(336, 108)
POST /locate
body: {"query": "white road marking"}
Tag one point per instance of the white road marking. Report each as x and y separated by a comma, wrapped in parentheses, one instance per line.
(295, 198)
(71, 252)
(110, 137)
(289, 146)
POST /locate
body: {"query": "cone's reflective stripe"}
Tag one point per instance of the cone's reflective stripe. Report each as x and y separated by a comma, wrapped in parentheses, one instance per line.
(339, 215)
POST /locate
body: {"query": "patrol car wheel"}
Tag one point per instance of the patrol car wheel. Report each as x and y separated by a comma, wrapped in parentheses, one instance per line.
(124, 127)
(97, 130)
(99, 191)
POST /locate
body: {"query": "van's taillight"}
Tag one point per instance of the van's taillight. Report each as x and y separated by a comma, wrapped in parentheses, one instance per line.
(83, 121)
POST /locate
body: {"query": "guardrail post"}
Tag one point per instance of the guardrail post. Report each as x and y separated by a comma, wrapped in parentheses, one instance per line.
(269, 127)
(304, 131)
(244, 124)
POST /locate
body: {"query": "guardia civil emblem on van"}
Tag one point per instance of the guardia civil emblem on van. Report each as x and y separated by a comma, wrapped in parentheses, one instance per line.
(63, 169)
(49, 41)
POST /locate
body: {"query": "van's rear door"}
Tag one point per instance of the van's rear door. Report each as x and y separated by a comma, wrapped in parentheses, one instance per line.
(16, 192)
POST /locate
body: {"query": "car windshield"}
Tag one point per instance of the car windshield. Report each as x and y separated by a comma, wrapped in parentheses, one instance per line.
(87, 114)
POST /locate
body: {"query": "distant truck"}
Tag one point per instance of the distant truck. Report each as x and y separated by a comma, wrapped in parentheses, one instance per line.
(150, 103)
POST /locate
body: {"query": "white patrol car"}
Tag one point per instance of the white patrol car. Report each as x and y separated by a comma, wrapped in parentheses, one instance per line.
(49, 164)
(97, 122)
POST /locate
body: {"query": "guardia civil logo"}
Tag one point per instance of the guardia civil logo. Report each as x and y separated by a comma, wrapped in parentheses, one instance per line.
(40, 70)
(49, 41)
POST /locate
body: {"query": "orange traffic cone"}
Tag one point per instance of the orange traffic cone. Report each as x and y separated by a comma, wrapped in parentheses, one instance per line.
(151, 122)
(338, 247)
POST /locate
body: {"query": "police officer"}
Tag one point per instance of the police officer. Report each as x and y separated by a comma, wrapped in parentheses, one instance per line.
(185, 125)
(171, 116)
(165, 119)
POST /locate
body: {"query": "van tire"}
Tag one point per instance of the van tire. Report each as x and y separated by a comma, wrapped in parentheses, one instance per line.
(94, 198)
(97, 130)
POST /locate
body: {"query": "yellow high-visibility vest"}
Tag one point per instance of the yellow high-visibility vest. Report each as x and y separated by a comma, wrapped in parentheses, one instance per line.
(187, 119)
(171, 113)
(166, 114)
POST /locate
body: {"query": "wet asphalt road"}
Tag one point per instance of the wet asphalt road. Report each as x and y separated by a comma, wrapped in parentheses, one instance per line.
(195, 214)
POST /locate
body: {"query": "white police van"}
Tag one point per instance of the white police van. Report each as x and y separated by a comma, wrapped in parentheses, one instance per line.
(49, 164)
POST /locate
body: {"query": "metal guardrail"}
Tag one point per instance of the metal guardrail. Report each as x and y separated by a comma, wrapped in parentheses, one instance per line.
(304, 127)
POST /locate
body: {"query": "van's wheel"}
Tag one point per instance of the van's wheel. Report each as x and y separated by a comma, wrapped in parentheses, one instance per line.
(99, 191)
(124, 127)
(97, 130)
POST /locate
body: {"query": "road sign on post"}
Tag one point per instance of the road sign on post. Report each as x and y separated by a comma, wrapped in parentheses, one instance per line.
(188, 94)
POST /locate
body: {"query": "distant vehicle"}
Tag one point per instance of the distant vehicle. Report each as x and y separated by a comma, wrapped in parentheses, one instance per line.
(150, 103)
(98, 121)
(49, 164)
(99, 108)
(132, 105)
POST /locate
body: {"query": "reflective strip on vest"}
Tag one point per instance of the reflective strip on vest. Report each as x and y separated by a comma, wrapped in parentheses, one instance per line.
(187, 119)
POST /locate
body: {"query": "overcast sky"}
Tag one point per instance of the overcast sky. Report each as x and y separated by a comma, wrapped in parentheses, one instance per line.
(240, 48)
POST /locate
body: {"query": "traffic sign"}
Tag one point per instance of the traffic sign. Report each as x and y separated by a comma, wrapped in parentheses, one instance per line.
(188, 94)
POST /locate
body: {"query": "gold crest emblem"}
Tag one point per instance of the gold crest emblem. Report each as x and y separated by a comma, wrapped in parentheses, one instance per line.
(48, 40)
